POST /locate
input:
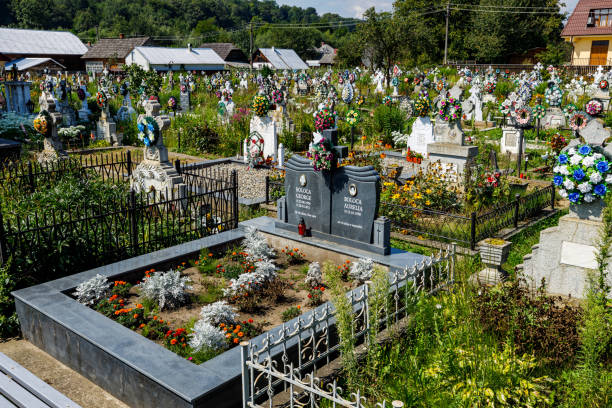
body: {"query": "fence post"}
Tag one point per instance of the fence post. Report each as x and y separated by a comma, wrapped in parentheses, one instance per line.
(473, 231)
(133, 224)
(453, 260)
(235, 198)
(129, 163)
(366, 310)
(516, 209)
(177, 166)
(552, 196)
(246, 381)
(267, 189)
(3, 249)
(31, 177)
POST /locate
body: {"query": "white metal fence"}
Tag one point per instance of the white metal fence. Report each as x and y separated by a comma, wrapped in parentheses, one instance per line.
(288, 357)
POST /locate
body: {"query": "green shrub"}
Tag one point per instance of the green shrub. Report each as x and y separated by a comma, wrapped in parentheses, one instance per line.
(388, 119)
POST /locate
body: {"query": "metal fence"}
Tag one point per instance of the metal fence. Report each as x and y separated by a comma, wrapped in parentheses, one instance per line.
(284, 364)
(92, 234)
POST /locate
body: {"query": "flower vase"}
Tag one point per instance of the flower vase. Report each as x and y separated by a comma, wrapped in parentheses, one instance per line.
(493, 253)
(587, 211)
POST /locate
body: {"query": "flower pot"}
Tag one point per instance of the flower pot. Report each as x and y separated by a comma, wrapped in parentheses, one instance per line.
(587, 211)
(494, 254)
(418, 160)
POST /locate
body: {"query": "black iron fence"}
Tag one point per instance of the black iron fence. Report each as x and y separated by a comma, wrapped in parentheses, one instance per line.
(131, 224)
(275, 189)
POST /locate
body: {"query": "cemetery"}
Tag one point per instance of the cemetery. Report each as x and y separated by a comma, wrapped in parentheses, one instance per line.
(199, 226)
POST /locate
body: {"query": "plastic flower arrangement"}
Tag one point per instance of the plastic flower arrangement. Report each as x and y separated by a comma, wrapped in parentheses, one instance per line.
(277, 96)
(523, 117)
(554, 95)
(603, 84)
(558, 143)
(320, 155)
(41, 123)
(421, 107)
(539, 111)
(450, 110)
(255, 148)
(505, 107)
(582, 174)
(569, 110)
(387, 100)
(148, 130)
(352, 117)
(360, 100)
(101, 99)
(260, 105)
(172, 103)
(490, 87)
(440, 85)
(594, 107)
(578, 121)
(324, 119)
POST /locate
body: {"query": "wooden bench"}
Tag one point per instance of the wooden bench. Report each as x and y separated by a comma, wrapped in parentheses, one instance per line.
(20, 388)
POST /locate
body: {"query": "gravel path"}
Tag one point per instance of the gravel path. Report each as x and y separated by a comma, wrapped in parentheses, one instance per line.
(251, 182)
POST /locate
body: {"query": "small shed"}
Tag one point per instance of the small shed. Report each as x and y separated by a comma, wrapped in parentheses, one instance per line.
(35, 65)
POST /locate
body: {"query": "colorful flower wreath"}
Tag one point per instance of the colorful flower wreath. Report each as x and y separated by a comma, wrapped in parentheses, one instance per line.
(353, 117)
(558, 143)
(554, 96)
(569, 110)
(221, 108)
(505, 107)
(324, 119)
(421, 107)
(395, 81)
(523, 116)
(260, 105)
(603, 84)
(440, 85)
(490, 87)
(387, 100)
(41, 123)
(320, 155)
(255, 148)
(582, 174)
(594, 107)
(539, 111)
(148, 130)
(578, 121)
(450, 109)
(101, 99)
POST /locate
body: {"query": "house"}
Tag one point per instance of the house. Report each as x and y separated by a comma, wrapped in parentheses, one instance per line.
(110, 53)
(277, 58)
(35, 65)
(61, 46)
(589, 30)
(328, 54)
(175, 59)
(233, 56)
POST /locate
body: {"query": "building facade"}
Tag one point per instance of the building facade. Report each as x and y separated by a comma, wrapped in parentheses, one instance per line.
(589, 31)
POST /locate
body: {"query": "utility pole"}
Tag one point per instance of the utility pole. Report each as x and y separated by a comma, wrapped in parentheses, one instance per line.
(446, 36)
(251, 45)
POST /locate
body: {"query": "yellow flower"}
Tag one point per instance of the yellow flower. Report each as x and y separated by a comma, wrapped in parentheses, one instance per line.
(427, 202)
(395, 196)
(428, 191)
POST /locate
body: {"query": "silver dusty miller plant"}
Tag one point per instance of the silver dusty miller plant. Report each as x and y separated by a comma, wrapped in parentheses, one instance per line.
(93, 290)
(314, 277)
(206, 336)
(265, 271)
(167, 289)
(217, 313)
(255, 245)
(362, 270)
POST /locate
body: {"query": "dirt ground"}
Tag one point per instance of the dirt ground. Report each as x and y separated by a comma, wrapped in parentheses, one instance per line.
(65, 380)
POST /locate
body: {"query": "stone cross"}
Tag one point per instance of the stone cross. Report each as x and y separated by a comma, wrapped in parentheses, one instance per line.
(53, 149)
(157, 152)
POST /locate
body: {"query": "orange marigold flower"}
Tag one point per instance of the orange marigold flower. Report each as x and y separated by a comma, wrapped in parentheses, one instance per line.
(136, 316)
(236, 341)
(210, 255)
(222, 325)
(228, 335)
(154, 317)
(240, 334)
(142, 325)
(299, 307)
(139, 306)
(173, 341)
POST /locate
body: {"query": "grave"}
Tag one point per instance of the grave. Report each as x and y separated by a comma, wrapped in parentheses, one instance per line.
(449, 146)
(84, 112)
(266, 127)
(421, 136)
(17, 95)
(155, 173)
(554, 118)
(339, 205)
(185, 99)
(106, 129)
(53, 149)
(510, 140)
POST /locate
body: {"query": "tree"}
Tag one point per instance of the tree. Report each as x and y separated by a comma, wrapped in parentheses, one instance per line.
(381, 33)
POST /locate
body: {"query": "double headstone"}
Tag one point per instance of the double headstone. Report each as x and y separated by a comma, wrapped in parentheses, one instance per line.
(340, 205)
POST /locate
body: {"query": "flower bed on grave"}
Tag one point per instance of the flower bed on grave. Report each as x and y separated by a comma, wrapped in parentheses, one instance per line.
(202, 307)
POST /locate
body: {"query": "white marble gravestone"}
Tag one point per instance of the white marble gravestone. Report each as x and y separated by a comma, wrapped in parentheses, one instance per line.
(510, 140)
(422, 134)
(267, 129)
(84, 112)
(107, 129)
(155, 174)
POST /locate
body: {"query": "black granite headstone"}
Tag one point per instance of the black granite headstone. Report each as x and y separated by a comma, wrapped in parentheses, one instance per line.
(355, 196)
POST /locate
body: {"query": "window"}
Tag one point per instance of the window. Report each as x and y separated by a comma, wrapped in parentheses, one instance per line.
(600, 18)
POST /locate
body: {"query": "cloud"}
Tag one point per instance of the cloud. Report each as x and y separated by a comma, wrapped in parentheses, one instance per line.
(345, 8)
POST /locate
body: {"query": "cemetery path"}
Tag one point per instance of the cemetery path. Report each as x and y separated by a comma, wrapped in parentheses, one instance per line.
(63, 379)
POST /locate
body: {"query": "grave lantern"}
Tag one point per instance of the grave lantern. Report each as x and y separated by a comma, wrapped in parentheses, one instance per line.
(302, 227)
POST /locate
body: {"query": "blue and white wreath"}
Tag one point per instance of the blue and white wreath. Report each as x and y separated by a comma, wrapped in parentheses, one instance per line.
(582, 174)
(148, 130)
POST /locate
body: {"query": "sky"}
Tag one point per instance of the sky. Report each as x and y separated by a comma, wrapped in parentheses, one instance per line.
(355, 8)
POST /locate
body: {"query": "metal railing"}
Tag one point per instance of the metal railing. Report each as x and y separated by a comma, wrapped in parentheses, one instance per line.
(286, 360)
